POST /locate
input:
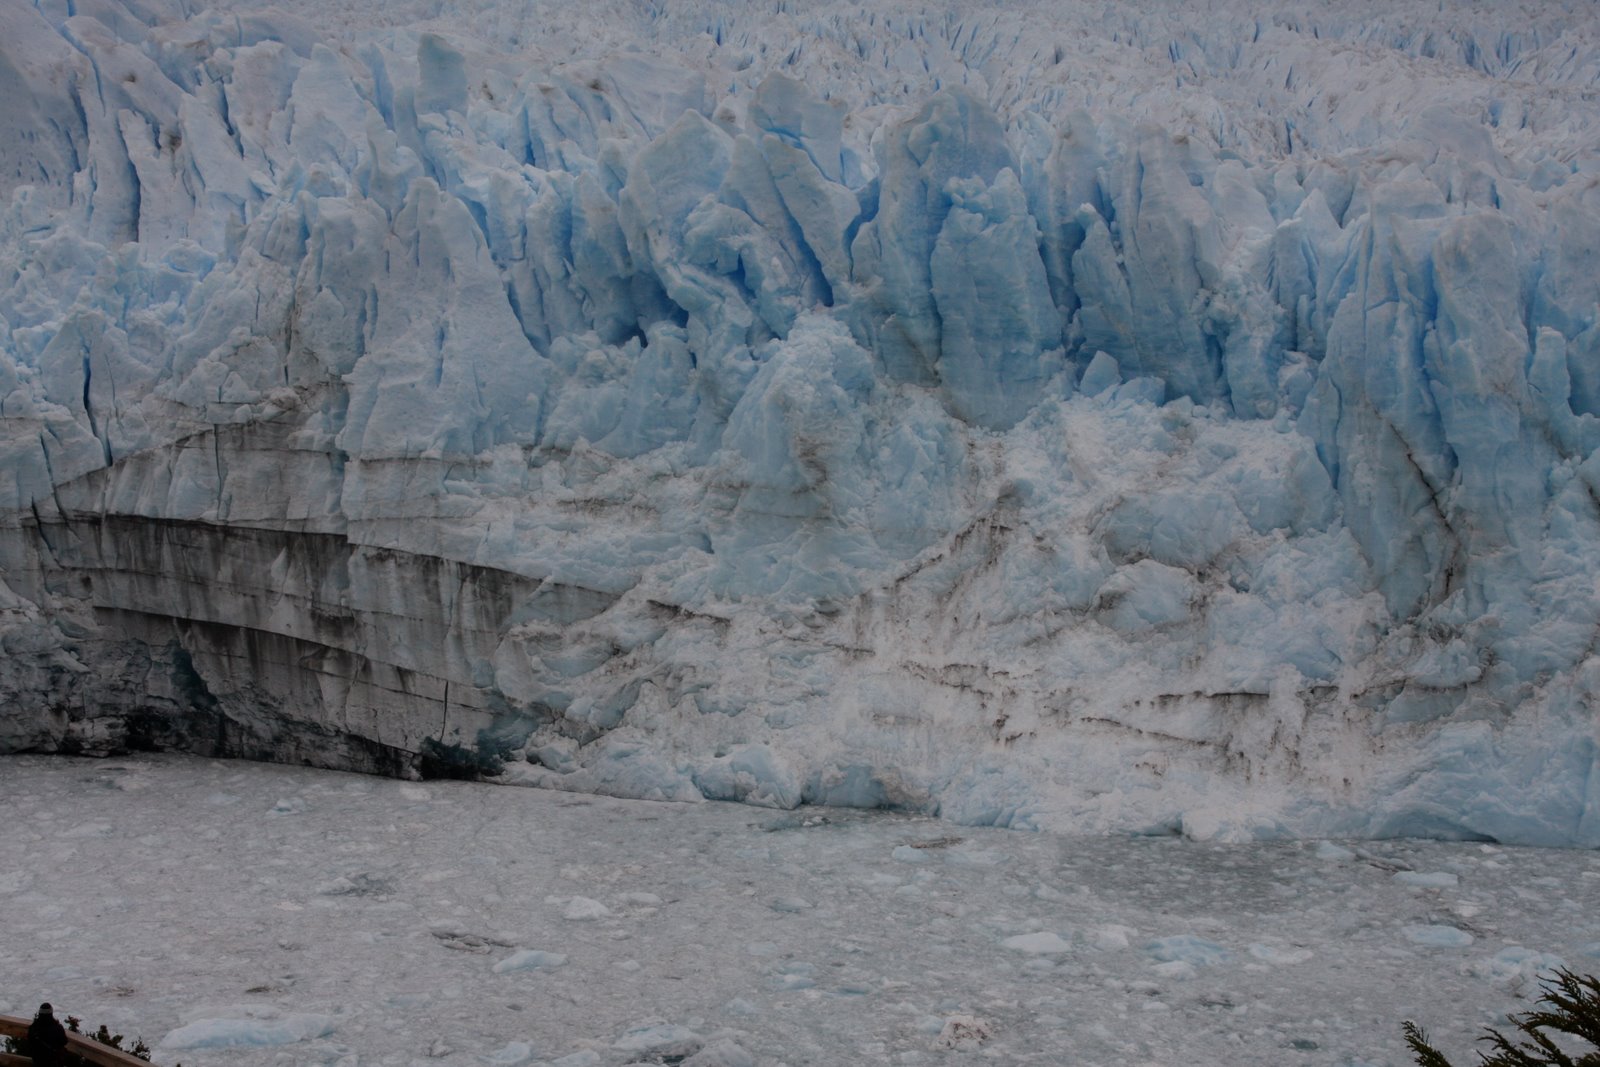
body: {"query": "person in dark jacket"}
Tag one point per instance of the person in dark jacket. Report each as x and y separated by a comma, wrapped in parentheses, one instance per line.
(47, 1041)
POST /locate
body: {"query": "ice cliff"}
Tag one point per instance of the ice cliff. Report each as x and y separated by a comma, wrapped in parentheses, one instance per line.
(1045, 415)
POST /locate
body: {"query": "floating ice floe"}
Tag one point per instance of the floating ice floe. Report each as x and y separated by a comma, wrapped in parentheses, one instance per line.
(254, 1032)
(1436, 935)
(530, 960)
(1042, 944)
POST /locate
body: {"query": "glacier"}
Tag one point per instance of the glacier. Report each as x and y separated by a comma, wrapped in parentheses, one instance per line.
(1044, 415)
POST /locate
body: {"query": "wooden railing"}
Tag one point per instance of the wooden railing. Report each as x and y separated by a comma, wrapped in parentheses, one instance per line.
(86, 1049)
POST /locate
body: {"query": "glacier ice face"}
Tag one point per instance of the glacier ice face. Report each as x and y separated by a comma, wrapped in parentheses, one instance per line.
(1051, 418)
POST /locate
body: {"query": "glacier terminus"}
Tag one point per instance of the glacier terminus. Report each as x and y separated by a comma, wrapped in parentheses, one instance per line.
(1048, 415)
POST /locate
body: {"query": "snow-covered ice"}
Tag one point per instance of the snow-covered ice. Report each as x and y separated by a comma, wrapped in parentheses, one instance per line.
(197, 919)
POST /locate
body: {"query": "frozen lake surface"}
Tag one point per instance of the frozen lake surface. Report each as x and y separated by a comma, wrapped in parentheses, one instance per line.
(306, 917)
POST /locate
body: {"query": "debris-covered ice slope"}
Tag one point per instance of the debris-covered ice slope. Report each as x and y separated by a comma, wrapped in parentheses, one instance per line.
(1049, 415)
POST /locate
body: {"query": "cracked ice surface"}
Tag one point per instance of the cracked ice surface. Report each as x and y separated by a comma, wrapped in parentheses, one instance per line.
(241, 914)
(1041, 415)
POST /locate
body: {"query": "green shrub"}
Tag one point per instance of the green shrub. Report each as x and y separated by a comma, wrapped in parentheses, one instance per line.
(139, 1050)
(1573, 1008)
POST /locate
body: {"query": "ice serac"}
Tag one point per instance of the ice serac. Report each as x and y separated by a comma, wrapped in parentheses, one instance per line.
(949, 269)
(1056, 418)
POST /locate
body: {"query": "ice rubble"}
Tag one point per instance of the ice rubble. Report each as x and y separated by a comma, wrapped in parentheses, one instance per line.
(1043, 415)
(1054, 949)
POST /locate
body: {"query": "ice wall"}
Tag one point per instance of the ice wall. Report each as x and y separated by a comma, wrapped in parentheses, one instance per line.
(1047, 416)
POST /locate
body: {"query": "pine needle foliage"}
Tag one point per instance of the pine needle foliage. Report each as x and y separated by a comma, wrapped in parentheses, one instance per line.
(1571, 1006)
(1417, 1039)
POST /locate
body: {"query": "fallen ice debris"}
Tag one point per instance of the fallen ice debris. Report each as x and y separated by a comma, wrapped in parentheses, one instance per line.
(1428, 879)
(1279, 955)
(1112, 936)
(361, 884)
(793, 976)
(974, 857)
(963, 1033)
(659, 1040)
(453, 937)
(791, 905)
(587, 1057)
(583, 909)
(1187, 948)
(1435, 935)
(1043, 944)
(1514, 963)
(721, 1052)
(512, 1054)
(249, 1032)
(529, 959)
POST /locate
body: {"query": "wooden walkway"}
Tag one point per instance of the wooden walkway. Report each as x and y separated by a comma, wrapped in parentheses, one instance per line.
(77, 1044)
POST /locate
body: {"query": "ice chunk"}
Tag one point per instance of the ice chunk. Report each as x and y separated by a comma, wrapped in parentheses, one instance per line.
(752, 773)
(1045, 943)
(249, 1032)
(659, 1040)
(583, 1058)
(721, 1052)
(511, 1054)
(1146, 595)
(1187, 948)
(583, 909)
(1101, 374)
(791, 905)
(1428, 879)
(1112, 936)
(1435, 935)
(1279, 955)
(530, 960)
(963, 1033)
(1517, 964)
